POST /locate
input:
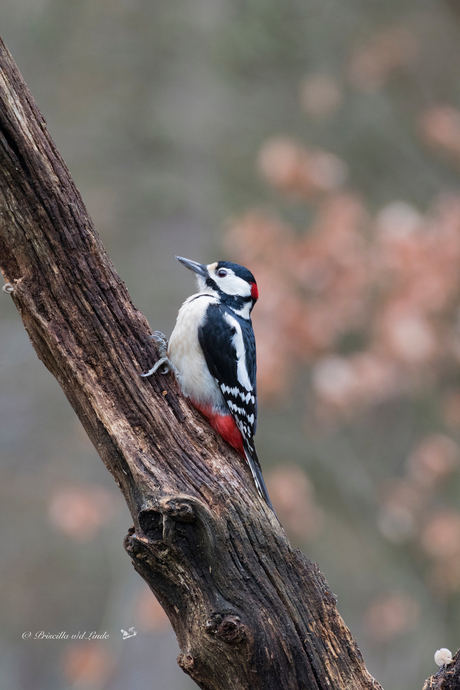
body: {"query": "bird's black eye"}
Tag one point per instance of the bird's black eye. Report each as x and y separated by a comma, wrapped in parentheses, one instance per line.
(221, 272)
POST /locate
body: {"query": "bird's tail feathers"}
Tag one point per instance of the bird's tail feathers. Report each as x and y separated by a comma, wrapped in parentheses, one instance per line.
(254, 465)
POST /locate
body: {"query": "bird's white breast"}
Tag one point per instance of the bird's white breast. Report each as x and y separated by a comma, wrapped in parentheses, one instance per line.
(186, 354)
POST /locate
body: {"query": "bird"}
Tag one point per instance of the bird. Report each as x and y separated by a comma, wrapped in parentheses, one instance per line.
(212, 352)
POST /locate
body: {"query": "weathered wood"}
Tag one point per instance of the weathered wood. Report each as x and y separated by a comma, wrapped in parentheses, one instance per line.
(248, 610)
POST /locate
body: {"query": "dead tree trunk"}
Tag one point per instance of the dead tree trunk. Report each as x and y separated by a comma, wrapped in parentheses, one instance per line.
(248, 610)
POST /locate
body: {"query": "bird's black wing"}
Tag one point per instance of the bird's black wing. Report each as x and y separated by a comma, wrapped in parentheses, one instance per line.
(229, 348)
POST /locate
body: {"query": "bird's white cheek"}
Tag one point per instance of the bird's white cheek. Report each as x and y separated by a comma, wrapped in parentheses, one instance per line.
(232, 285)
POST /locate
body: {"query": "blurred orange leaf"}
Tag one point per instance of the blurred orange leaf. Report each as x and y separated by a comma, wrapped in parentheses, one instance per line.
(374, 62)
(87, 663)
(80, 511)
(293, 498)
(390, 615)
(149, 614)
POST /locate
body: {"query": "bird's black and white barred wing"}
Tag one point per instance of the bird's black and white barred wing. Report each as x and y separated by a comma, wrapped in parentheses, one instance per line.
(229, 348)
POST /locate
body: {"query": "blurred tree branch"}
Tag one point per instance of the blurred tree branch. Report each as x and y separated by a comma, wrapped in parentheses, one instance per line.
(248, 610)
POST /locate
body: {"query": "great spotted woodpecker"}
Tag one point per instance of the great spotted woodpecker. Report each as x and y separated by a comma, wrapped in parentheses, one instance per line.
(212, 352)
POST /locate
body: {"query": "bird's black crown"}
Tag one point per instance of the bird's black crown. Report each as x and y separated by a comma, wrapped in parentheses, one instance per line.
(238, 270)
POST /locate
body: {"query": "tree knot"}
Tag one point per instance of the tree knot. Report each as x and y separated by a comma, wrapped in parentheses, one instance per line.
(186, 661)
(228, 628)
(179, 510)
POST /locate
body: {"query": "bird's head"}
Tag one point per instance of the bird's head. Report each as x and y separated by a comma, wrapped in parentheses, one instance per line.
(235, 286)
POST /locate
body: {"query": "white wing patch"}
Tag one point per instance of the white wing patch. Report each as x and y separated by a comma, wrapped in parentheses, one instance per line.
(238, 344)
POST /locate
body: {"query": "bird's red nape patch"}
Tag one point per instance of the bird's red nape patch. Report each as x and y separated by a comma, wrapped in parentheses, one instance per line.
(254, 291)
(225, 426)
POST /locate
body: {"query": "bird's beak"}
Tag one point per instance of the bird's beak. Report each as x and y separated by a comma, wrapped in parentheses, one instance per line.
(200, 269)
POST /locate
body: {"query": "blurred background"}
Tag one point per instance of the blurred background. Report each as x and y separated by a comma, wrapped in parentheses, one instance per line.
(317, 143)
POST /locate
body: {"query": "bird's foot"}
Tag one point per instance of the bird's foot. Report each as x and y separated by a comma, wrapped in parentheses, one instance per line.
(164, 359)
(162, 342)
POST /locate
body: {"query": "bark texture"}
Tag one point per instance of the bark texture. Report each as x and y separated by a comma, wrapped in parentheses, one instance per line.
(249, 611)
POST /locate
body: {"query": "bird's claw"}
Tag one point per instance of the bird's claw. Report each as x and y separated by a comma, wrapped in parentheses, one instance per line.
(162, 342)
(164, 359)
(157, 365)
